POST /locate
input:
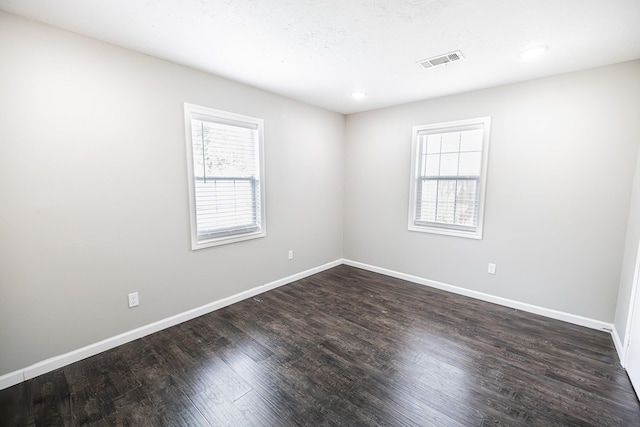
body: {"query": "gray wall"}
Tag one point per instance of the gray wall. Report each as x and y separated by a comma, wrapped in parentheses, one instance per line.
(93, 186)
(94, 193)
(561, 165)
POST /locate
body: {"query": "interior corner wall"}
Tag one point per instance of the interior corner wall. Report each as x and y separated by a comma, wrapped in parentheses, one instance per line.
(93, 186)
(561, 164)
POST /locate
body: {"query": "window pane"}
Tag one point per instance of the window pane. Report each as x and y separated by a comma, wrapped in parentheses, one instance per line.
(451, 142)
(228, 150)
(225, 192)
(433, 165)
(427, 201)
(198, 148)
(466, 203)
(224, 204)
(470, 164)
(433, 144)
(471, 140)
(449, 164)
(446, 202)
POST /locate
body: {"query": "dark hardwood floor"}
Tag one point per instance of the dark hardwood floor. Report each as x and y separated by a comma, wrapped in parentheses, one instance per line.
(343, 347)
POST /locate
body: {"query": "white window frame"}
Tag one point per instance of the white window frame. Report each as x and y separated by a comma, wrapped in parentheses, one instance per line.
(192, 111)
(436, 128)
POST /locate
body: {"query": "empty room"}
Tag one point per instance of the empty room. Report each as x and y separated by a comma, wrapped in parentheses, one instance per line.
(358, 212)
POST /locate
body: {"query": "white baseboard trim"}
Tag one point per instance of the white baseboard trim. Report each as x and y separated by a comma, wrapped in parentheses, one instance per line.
(547, 312)
(11, 379)
(619, 346)
(56, 362)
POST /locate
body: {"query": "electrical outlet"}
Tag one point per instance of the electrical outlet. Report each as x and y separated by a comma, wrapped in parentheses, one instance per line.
(492, 268)
(133, 299)
(291, 254)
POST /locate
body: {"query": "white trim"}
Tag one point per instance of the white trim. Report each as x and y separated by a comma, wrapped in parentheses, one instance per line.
(632, 302)
(618, 343)
(56, 362)
(11, 379)
(530, 308)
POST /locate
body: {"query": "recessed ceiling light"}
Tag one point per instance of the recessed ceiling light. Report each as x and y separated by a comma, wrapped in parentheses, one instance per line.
(358, 95)
(533, 52)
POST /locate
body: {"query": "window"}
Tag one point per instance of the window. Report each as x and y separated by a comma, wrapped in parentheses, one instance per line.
(448, 174)
(226, 184)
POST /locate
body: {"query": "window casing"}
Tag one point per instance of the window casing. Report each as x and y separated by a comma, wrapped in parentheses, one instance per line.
(226, 182)
(448, 177)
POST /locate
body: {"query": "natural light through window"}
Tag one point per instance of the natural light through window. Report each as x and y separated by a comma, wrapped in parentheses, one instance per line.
(448, 177)
(225, 176)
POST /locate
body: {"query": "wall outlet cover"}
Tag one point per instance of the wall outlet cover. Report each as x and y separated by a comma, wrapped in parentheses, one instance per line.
(133, 299)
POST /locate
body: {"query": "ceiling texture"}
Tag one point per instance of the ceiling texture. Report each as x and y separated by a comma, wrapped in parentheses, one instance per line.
(321, 51)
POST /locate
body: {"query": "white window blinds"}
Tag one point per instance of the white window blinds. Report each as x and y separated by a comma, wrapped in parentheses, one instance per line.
(447, 184)
(225, 153)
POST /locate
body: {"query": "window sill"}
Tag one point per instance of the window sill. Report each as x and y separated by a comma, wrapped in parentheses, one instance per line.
(477, 235)
(207, 243)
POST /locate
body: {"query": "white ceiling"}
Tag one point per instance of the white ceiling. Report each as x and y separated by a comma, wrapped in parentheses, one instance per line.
(320, 51)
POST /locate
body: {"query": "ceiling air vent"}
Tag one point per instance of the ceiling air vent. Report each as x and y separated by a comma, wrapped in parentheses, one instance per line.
(441, 59)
